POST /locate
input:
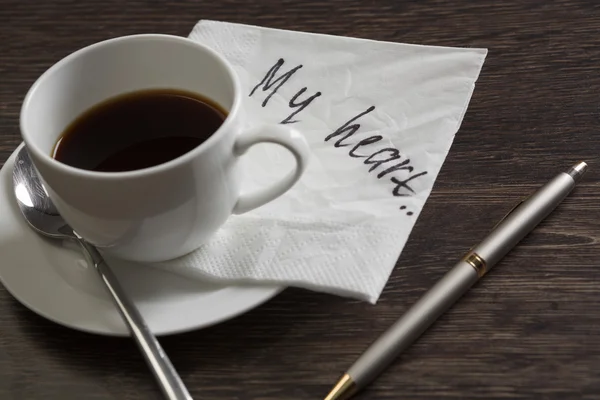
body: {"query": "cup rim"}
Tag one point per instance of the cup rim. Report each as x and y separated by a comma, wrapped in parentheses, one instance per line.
(156, 169)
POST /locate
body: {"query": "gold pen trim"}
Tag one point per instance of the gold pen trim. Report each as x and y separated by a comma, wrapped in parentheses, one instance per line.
(343, 390)
(476, 262)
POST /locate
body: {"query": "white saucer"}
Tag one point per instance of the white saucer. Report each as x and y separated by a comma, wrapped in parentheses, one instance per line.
(52, 279)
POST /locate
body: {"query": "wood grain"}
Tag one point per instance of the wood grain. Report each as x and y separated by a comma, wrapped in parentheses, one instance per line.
(529, 330)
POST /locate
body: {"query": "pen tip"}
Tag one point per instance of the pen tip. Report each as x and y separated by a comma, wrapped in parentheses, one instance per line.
(343, 390)
(577, 170)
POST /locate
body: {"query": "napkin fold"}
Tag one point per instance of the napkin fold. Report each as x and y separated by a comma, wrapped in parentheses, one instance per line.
(379, 118)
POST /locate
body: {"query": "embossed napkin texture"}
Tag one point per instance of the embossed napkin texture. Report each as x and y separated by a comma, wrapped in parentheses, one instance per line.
(380, 119)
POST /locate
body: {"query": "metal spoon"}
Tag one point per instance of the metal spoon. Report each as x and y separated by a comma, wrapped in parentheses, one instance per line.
(41, 214)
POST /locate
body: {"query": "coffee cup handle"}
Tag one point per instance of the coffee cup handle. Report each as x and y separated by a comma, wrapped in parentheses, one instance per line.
(284, 136)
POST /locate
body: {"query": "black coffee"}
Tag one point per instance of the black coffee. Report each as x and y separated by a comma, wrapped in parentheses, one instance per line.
(138, 130)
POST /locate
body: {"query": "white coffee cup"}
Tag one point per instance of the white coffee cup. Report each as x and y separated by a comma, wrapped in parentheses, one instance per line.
(168, 210)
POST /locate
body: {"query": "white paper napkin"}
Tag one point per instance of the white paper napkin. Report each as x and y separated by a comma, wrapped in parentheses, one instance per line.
(379, 118)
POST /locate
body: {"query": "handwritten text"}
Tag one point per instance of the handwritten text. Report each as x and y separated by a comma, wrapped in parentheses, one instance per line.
(384, 162)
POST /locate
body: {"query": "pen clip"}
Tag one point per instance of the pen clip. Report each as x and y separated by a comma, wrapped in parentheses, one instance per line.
(511, 211)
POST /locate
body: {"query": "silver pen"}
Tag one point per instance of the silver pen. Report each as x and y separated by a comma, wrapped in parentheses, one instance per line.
(476, 263)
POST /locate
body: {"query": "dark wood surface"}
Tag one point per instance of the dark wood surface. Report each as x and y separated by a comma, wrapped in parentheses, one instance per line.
(529, 330)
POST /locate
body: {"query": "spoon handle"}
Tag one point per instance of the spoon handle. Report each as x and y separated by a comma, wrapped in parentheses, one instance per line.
(167, 377)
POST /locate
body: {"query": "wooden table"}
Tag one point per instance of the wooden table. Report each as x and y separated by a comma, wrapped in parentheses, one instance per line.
(529, 330)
